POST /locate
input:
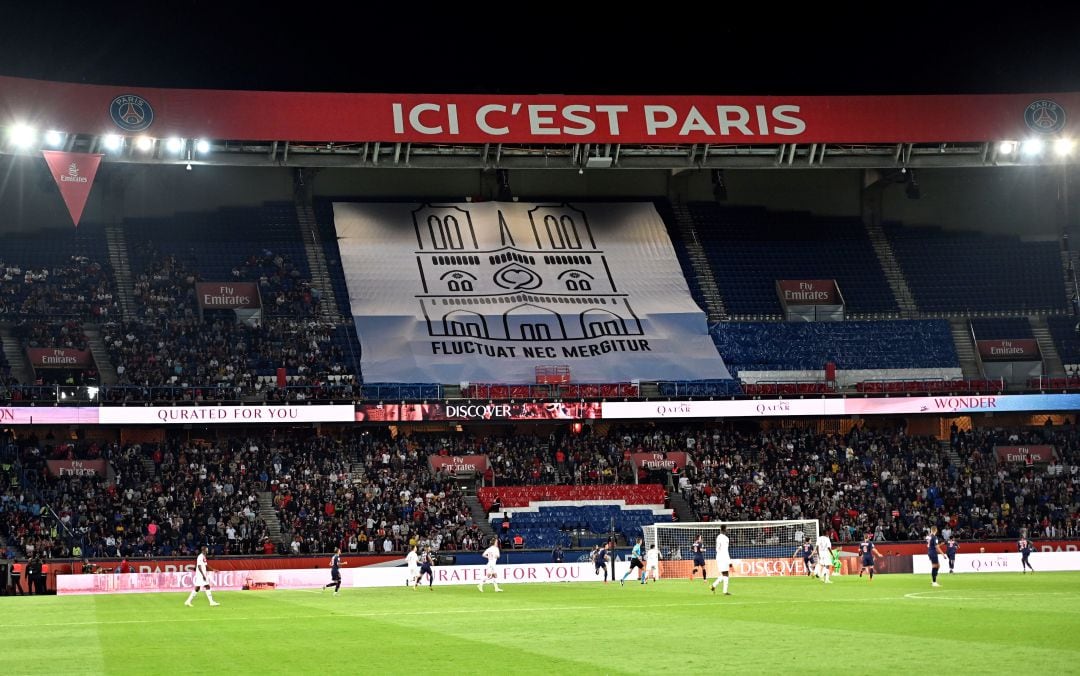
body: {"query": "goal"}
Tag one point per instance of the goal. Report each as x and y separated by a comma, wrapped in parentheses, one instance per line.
(749, 540)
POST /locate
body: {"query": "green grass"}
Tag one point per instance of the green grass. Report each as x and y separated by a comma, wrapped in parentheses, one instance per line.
(972, 623)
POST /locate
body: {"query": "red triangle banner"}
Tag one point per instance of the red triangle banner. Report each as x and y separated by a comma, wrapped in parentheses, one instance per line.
(74, 174)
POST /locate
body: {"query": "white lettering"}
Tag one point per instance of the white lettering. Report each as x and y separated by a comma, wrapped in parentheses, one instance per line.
(653, 123)
(481, 119)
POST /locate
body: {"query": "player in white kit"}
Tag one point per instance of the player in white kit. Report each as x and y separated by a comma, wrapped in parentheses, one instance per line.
(723, 560)
(491, 573)
(412, 560)
(202, 580)
(652, 564)
(823, 569)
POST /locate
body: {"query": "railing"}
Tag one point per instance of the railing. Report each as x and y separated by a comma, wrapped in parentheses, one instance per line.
(121, 394)
(1071, 382)
(930, 386)
(402, 391)
(552, 391)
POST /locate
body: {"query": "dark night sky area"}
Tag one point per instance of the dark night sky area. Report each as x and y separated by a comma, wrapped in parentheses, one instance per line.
(670, 50)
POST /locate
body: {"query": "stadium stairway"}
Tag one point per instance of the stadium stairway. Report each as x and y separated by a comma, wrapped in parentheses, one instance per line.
(16, 357)
(893, 274)
(479, 515)
(683, 512)
(716, 310)
(118, 258)
(105, 368)
(267, 514)
(1052, 364)
(965, 348)
(950, 453)
(320, 274)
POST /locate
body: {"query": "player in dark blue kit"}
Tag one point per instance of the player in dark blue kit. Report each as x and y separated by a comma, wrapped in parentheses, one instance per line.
(806, 551)
(868, 552)
(1024, 546)
(951, 547)
(600, 562)
(425, 569)
(933, 550)
(335, 572)
(698, 551)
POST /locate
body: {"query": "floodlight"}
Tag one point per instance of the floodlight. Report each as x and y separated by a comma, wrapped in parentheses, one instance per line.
(54, 138)
(1064, 146)
(22, 135)
(144, 143)
(1032, 147)
(113, 141)
(174, 145)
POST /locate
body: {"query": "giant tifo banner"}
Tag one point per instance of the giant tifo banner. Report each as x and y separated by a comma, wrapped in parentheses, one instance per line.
(477, 412)
(487, 292)
(76, 467)
(1026, 349)
(461, 118)
(227, 295)
(458, 464)
(236, 580)
(1024, 455)
(59, 358)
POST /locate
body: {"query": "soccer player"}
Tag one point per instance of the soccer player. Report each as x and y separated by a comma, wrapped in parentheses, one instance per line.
(335, 572)
(951, 547)
(806, 551)
(425, 569)
(933, 550)
(1024, 546)
(635, 563)
(600, 561)
(823, 569)
(492, 554)
(202, 579)
(698, 551)
(412, 560)
(723, 560)
(652, 564)
(868, 552)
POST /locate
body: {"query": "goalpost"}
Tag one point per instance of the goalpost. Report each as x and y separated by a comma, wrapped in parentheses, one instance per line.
(749, 540)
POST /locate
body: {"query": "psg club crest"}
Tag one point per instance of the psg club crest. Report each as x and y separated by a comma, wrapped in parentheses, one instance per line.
(131, 112)
(1045, 117)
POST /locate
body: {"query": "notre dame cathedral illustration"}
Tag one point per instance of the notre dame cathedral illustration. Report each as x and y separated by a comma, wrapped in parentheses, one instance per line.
(541, 280)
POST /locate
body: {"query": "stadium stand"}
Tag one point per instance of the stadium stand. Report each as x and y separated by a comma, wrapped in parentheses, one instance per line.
(967, 272)
(750, 248)
(1001, 328)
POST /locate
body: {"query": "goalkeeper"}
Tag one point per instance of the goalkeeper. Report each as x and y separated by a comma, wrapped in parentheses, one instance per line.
(836, 560)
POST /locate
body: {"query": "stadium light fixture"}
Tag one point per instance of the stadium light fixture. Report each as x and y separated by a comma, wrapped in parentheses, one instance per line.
(174, 145)
(22, 135)
(1063, 147)
(113, 141)
(1006, 147)
(54, 138)
(1032, 147)
(202, 146)
(144, 143)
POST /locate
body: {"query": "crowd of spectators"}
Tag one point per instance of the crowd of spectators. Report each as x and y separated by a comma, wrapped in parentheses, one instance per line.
(79, 288)
(887, 483)
(282, 286)
(368, 491)
(222, 359)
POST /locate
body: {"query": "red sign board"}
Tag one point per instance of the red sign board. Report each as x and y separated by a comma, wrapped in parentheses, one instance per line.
(1024, 349)
(807, 291)
(227, 295)
(673, 461)
(477, 412)
(76, 467)
(459, 464)
(459, 118)
(1025, 454)
(59, 358)
(74, 174)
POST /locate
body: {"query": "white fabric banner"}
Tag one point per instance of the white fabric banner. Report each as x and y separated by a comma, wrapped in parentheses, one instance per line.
(486, 292)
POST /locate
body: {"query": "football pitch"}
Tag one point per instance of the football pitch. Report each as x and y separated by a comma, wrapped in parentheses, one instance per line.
(972, 623)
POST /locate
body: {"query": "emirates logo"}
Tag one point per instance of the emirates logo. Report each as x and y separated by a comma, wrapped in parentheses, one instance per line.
(72, 175)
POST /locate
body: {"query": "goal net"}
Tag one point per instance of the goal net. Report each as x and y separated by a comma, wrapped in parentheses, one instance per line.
(748, 540)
